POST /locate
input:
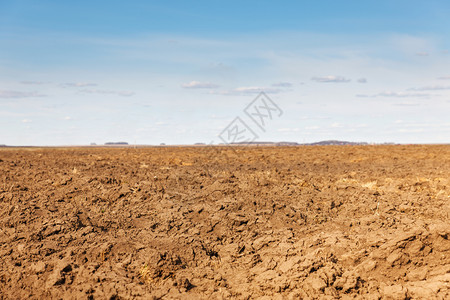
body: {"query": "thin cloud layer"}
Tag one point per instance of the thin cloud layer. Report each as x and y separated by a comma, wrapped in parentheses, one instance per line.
(391, 94)
(401, 94)
(199, 85)
(207, 67)
(330, 78)
(78, 84)
(250, 90)
(18, 94)
(32, 82)
(108, 92)
(431, 88)
(282, 84)
(406, 104)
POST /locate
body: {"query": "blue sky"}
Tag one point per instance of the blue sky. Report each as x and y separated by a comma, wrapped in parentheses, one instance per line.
(179, 72)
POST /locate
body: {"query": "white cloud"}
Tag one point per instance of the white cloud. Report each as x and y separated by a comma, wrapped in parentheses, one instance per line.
(67, 118)
(426, 125)
(430, 88)
(330, 78)
(406, 104)
(255, 90)
(199, 85)
(19, 94)
(32, 82)
(362, 80)
(78, 84)
(409, 44)
(405, 130)
(26, 121)
(444, 78)
(282, 84)
(248, 90)
(117, 93)
(391, 94)
(401, 94)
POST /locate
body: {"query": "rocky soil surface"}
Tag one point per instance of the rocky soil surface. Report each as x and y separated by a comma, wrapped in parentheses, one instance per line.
(310, 222)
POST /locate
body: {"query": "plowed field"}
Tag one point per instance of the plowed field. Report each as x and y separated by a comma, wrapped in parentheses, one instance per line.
(328, 222)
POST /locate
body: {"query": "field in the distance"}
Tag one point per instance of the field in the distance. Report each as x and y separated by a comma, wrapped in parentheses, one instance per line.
(216, 222)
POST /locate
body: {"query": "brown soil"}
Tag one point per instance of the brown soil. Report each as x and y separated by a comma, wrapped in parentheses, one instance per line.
(328, 222)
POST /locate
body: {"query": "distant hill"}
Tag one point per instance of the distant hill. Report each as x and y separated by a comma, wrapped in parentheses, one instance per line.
(116, 143)
(321, 143)
(335, 142)
(287, 144)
